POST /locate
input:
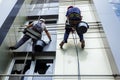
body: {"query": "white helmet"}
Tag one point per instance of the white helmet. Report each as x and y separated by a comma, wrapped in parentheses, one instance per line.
(42, 20)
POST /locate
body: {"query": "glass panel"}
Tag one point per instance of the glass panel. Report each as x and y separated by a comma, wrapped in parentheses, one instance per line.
(20, 68)
(15, 31)
(116, 7)
(49, 7)
(43, 67)
(91, 61)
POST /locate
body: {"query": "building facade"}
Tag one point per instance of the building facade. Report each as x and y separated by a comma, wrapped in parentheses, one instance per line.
(98, 61)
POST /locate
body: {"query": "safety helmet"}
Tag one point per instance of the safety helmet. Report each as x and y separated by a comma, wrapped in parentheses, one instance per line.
(42, 19)
(70, 7)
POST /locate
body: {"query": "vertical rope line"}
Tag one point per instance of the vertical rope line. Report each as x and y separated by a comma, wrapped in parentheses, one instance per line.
(25, 59)
(75, 43)
(30, 42)
(41, 10)
(74, 2)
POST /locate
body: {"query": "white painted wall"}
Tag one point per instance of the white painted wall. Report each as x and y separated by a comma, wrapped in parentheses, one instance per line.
(5, 8)
(111, 26)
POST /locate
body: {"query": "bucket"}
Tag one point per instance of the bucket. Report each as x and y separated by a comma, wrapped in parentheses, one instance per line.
(82, 27)
(40, 44)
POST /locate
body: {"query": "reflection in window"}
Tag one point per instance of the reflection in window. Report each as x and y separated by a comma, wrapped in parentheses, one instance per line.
(116, 7)
(43, 67)
(20, 68)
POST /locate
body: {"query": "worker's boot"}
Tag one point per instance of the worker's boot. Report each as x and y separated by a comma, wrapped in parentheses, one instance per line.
(82, 44)
(61, 45)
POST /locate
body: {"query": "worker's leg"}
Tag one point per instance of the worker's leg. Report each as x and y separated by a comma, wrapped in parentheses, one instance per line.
(66, 35)
(21, 42)
(81, 40)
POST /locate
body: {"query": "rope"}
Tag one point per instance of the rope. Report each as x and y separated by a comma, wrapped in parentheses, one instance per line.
(75, 43)
(74, 2)
(41, 10)
(29, 43)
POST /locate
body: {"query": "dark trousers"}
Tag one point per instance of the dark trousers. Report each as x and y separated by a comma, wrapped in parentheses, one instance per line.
(67, 32)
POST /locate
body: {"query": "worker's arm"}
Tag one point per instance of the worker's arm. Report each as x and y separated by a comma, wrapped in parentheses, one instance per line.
(30, 25)
(48, 34)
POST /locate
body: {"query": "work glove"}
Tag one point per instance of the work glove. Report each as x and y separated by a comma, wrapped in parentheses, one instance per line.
(49, 42)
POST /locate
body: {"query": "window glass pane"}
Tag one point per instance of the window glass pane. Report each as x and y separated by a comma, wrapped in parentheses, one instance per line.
(116, 7)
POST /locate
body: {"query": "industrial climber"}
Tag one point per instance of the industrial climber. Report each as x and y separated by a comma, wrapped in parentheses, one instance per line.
(74, 18)
(39, 27)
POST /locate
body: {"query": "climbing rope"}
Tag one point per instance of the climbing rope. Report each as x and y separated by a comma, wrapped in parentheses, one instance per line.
(75, 43)
(29, 43)
(74, 2)
(41, 10)
(26, 57)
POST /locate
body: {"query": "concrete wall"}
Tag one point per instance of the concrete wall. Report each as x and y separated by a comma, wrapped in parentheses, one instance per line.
(12, 36)
(4, 54)
(111, 27)
(7, 5)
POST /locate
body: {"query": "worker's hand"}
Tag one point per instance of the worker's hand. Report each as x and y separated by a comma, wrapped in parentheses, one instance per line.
(49, 41)
(24, 31)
